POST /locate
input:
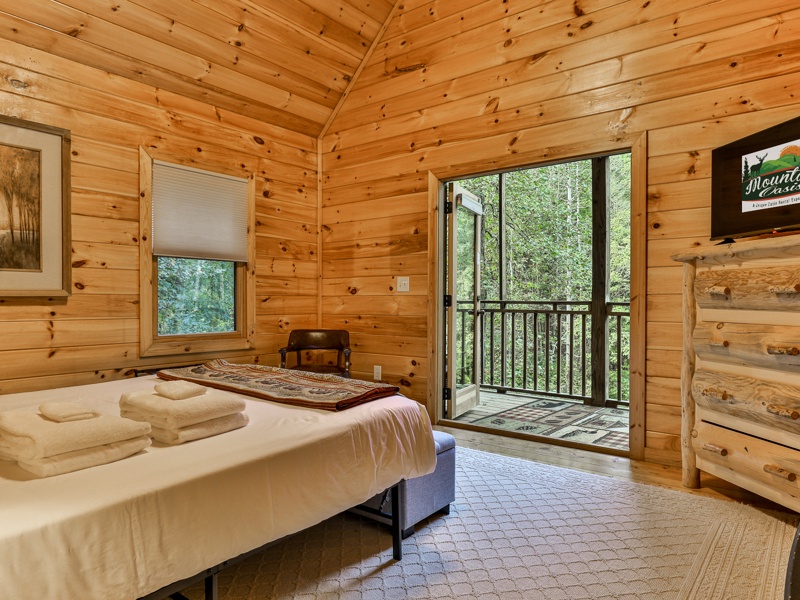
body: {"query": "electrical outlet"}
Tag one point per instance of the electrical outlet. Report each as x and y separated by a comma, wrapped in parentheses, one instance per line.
(403, 284)
(376, 372)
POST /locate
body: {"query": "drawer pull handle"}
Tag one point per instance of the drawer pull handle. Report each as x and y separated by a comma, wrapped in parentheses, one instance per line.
(716, 394)
(785, 289)
(783, 411)
(715, 449)
(783, 350)
(716, 344)
(777, 471)
(718, 290)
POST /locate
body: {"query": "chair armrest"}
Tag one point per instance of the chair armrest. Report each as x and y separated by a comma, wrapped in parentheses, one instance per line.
(283, 352)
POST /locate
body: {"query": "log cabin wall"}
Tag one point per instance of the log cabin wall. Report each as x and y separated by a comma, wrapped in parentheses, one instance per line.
(453, 88)
(468, 86)
(94, 334)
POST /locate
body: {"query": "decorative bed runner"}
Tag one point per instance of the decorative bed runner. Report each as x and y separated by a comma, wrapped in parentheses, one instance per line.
(298, 388)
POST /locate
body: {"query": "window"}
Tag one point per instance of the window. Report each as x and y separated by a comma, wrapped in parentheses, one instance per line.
(196, 243)
(195, 295)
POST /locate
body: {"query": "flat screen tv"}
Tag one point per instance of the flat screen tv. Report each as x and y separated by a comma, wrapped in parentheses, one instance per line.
(755, 183)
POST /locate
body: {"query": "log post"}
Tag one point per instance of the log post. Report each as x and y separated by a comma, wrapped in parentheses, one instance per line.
(691, 474)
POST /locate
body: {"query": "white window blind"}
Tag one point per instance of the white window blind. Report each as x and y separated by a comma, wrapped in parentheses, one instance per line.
(198, 214)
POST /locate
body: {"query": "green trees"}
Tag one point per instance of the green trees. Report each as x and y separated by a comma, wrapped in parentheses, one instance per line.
(195, 296)
(548, 241)
(549, 231)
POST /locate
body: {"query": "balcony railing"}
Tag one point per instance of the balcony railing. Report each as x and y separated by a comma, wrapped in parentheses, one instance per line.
(544, 348)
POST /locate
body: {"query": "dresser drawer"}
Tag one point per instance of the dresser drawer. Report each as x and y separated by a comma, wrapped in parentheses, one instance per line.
(750, 344)
(755, 401)
(763, 288)
(768, 469)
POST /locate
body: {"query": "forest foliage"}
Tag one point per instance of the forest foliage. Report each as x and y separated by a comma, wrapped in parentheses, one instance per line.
(548, 240)
(549, 232)
(196, 296)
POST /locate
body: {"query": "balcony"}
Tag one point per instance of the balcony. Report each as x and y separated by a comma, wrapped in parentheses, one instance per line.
(544, 348)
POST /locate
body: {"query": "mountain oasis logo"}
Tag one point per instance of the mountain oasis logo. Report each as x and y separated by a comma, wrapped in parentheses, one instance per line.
(771, 177)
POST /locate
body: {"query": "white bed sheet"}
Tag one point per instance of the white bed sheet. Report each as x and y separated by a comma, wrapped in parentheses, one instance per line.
(129, 528)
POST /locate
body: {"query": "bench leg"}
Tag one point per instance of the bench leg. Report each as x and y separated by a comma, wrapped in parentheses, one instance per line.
(397, 520)
(211, 585)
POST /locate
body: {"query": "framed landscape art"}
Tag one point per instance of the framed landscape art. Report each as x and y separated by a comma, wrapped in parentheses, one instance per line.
(34, 209)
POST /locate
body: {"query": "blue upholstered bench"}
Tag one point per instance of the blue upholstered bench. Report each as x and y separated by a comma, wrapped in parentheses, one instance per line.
(422, 496)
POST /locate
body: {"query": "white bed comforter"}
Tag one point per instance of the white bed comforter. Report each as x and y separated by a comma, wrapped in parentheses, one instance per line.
(128, 528)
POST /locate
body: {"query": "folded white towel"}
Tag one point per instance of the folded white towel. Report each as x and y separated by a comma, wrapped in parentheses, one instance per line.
(199, 430)
(5, 451)
(83, 459)
(63, 412)
(167, 414)
(31, 435)
(179, 389)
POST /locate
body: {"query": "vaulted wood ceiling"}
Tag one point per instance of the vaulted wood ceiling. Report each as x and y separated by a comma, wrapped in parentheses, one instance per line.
(286, 62)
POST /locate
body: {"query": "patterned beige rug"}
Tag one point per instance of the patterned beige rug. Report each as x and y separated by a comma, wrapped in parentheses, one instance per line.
(522, 530)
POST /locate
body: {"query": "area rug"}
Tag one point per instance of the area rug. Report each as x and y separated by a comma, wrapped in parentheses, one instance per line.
(527, 531)
(564, 420)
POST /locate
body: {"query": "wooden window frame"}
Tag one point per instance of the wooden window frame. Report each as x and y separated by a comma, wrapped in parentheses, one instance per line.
(152, 344)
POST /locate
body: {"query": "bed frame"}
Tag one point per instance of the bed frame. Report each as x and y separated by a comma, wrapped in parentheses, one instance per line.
(209, 577)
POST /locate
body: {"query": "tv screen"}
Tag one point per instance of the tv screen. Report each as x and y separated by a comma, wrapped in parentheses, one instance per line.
(755, 183)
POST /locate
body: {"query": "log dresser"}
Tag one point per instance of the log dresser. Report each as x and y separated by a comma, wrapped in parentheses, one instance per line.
(740, 377)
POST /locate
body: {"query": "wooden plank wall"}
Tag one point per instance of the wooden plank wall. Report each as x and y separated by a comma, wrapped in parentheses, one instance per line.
(470, 86)
(221, 52)
(94, 334)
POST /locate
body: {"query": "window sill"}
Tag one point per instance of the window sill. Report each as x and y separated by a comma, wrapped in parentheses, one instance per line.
(187, 345)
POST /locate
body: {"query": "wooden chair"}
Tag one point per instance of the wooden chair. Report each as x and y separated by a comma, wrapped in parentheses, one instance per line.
(301, 340)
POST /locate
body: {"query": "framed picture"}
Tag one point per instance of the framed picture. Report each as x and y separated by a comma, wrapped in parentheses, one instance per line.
(34, 209)
(755, 183)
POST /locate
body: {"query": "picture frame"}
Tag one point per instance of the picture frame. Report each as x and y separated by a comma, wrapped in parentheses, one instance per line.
(755, 183)
(35, 218)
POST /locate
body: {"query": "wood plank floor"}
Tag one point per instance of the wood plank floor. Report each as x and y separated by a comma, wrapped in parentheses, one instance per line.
(602, 464)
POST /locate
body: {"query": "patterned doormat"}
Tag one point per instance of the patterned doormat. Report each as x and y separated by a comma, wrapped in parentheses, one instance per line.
(607, 427)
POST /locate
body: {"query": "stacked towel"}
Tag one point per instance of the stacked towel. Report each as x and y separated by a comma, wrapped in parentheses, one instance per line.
(5, 451)
(179, 389)
(83, 459)
(183, 413)
(63, 412)
(71, 438)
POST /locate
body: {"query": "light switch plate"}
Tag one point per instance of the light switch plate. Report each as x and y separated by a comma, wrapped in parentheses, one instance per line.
(403, 284)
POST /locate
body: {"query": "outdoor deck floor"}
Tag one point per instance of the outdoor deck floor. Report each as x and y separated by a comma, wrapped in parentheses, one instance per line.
(551, 417)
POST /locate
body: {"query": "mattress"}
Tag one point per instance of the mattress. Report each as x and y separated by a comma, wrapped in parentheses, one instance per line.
(126, 529)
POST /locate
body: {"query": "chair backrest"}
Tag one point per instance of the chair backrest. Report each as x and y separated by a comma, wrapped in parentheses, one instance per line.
(318, 339)
(302, 340)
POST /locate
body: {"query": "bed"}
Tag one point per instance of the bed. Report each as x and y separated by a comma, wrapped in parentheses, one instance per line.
(128, 529)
